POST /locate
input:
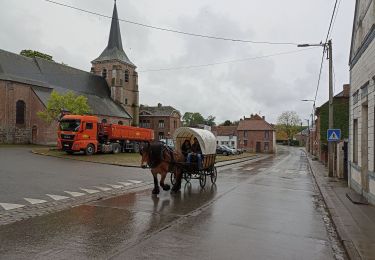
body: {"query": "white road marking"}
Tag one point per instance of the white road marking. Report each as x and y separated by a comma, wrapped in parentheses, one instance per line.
(9, 206)
(57, 197)
(135, 182)
(74, 193)
(125, 183)
(115, 186)
(34, 201)
(249, 168)
(103, 188)
(89, 191)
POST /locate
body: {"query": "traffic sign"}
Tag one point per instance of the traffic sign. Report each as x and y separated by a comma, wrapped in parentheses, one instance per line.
(333, 135)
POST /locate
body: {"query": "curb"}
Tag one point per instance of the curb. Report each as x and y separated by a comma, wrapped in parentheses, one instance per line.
(347, 243)
(230, 162)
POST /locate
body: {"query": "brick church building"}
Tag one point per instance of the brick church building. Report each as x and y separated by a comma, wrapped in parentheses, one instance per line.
(26, 84)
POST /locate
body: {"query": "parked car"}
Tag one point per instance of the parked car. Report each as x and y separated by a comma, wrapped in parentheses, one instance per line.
(224, 150)
(168, 142)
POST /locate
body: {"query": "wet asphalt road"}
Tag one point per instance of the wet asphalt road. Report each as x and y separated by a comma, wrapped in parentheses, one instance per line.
(267, 209)
(27, 175)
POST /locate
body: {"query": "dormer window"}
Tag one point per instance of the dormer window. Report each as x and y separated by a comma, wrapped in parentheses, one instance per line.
(126, 76)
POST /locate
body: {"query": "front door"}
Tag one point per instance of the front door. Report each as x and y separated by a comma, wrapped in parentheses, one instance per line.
(257, 148)
(34, 132)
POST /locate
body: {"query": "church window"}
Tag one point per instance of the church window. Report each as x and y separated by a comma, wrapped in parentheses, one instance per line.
(104, 73)
(126, 76)
(20, 112)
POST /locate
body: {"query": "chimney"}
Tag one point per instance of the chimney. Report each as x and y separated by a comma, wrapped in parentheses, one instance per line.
(263, 117)
(159, 105)
(244, 117)
(346, 89)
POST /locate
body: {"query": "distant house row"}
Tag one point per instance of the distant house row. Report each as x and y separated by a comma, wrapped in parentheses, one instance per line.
(252, 134)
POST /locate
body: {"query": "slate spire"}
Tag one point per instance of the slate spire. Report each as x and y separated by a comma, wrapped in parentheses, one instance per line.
(115, 34)
(114, 49)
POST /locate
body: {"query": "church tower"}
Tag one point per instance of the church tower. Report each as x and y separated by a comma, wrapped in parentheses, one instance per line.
(120, 73)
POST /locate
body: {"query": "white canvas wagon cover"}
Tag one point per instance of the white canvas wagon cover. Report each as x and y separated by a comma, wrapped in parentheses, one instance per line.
(206, 139)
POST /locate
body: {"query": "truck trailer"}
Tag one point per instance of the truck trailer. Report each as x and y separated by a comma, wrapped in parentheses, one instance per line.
(78, 133)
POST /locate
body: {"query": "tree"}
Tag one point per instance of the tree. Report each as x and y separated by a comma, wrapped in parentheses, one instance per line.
(192, 119)
(227, 123)
(289, 122)
(58, 102)
(210, 120)
(33, 54)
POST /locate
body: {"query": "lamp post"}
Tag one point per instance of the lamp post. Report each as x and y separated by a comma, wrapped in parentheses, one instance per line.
(328, 46)
(308, 135)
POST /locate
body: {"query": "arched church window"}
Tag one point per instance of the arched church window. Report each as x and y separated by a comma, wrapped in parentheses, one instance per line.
(20, 112)
(104, 73)
(126, 76)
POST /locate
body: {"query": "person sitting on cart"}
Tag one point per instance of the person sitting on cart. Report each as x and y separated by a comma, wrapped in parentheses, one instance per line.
(196, 152)
(186, 148)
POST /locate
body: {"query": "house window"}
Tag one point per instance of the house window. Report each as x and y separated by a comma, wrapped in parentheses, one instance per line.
(245, 133)
(175, 124)
(120, 122)
(161, 123)
(266, 135)
(126, 76)
(364, 90)
(104, 73)
(161, 135)
(355, 141)
(245, 142)
(20, 112)
(126, 101)
(355, 97)
(266, 146)
(232, 143)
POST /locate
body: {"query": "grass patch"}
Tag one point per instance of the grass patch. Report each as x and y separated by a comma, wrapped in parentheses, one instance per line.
(125, 159)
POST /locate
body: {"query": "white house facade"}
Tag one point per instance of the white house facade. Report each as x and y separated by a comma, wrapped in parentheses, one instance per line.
(362, 109)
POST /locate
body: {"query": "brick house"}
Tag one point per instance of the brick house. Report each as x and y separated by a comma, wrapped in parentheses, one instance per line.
(255, 134)
(362, 101)
(26, 84)
(226, 135)
(164, 120)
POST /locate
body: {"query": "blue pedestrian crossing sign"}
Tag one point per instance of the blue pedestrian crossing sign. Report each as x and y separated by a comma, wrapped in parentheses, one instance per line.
(333, 135)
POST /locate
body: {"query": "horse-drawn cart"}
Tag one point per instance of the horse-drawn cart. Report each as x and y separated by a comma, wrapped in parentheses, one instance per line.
(192, 170)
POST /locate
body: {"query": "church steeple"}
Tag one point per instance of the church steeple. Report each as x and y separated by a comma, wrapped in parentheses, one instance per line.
(114, 50)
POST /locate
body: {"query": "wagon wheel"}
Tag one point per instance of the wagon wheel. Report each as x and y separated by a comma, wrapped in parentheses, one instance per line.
(213, 175)
(202, 179)
(173, 178)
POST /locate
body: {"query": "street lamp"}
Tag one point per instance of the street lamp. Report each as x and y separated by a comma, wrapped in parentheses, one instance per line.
(328, 46)
(308, 135)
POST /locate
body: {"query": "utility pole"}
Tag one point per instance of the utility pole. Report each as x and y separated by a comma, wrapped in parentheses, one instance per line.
(327, 45)
(330, 110)
(308, 137)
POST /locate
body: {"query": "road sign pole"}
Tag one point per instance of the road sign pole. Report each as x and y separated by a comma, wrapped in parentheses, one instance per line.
(330, 111)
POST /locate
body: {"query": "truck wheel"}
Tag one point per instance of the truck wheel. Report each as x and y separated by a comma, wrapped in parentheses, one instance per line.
(90, 149)
(136, 147)
(116, 149)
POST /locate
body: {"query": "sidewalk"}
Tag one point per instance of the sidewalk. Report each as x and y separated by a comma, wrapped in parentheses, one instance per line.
(354, 223)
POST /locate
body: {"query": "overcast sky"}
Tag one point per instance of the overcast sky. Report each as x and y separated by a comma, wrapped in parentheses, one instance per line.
(228, 91)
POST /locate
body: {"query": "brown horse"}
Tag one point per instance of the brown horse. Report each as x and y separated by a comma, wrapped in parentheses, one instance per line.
(162, 159)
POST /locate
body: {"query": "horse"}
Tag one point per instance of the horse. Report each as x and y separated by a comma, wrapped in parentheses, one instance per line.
(162, 159)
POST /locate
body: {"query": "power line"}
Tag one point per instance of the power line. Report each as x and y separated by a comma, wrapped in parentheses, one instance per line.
(324, 49)
(171, 30)
(226, 62)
